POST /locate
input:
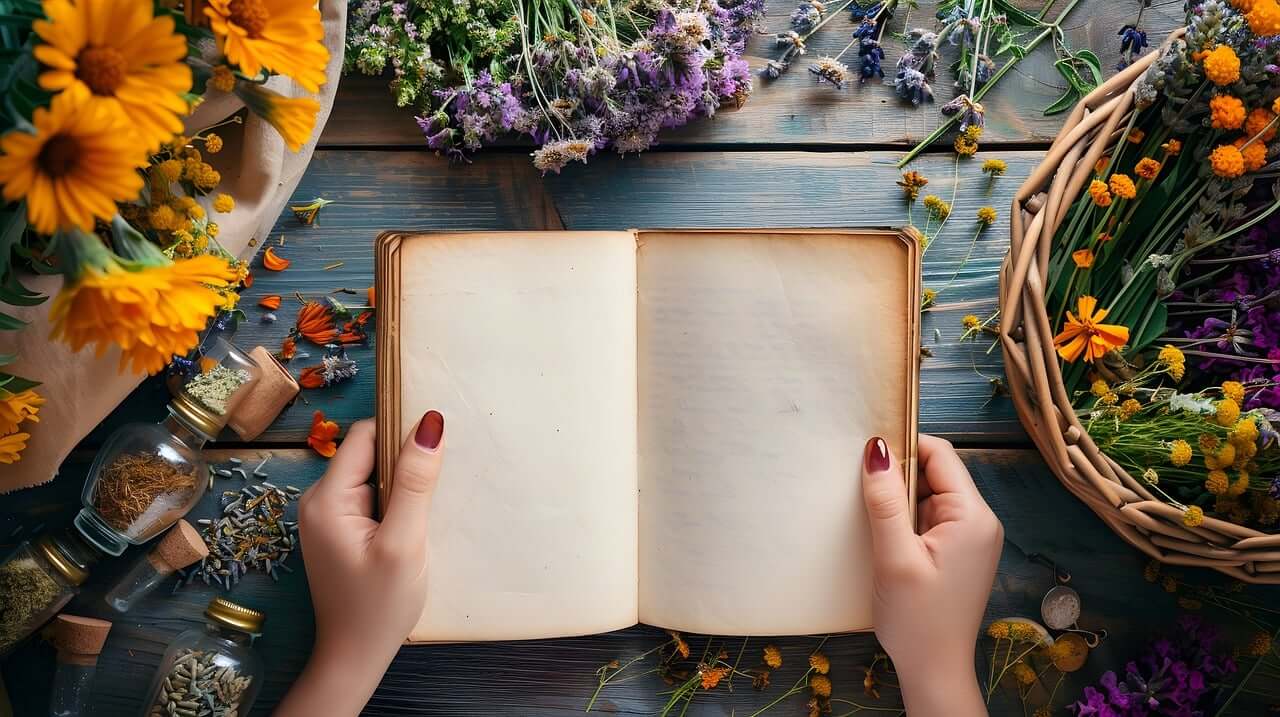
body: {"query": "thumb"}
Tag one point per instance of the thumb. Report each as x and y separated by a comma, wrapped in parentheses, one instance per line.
(884, 492)
(417, 471)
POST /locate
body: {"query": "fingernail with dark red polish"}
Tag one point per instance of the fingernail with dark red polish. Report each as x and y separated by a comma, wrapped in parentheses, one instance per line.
(876, 455)
(430, 429)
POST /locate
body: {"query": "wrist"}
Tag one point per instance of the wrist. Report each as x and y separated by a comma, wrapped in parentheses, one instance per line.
(338, 679)
(942, 688)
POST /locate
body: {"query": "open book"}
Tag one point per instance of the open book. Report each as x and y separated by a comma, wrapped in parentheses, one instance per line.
(650, 426)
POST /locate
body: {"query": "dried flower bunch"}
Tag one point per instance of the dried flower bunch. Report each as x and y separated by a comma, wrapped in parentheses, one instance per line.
(1164, 279)
(99, 182)
(576, 76)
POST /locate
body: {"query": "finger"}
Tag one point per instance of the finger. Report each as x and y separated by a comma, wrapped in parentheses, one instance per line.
(942, 469)
(884, 492)
(352, 464)
(417, 470)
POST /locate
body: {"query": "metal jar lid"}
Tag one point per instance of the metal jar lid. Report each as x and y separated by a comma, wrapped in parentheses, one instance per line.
(65, 564)
(228, 614)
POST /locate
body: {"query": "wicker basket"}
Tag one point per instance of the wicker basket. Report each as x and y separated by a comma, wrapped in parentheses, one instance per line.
(1035, 380)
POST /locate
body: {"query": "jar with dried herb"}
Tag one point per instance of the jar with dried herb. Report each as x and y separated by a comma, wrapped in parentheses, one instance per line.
(218, 377)
(36, 580)
(211, 671)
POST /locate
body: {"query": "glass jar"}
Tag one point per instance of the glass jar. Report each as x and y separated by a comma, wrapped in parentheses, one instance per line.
(36, 580)
(215, 662)
(216, 379)
(145, 477)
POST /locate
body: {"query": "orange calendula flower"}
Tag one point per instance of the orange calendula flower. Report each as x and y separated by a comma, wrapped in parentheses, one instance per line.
(288, 349)
(1222, 66)
(1172, 148)
(1083, 258)
(315, 323)
(1122, 186)
(81, 159)
(1253, 154)
(1086, 335)
(125, 58)
(18, 407)
(274, 262)
(322, 435)
(1264, 18)
(1258, 124)
(271, 302)
(1227, 161)
(11, 447)
(1100, 166)
(311, 377)
(283, 36)
(1147, 168)
(1099, 193)
(152, 314)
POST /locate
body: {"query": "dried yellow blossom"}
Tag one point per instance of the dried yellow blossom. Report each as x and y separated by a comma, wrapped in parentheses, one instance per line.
(820, 663)
(1217, 483)
(820, 685)
(1023, 673)
(772, 656)
(1259, 645)
(1233, 390)
(1180, 452)
(1226, 412)
(998, 630)
(1193, 516)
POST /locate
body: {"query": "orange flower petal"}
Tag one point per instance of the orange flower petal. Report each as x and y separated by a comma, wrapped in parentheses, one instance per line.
(271, 302)
(273, 262)
(322, 434)
(311, 377)
(371, 301)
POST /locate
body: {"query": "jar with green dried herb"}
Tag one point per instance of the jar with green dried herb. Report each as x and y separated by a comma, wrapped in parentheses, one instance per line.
(210, 672)
(36, 581)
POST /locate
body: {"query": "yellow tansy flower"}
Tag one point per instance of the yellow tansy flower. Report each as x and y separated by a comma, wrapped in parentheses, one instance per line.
(937, 206)
(965, 146)
(819, 663)
(1226, 112)
(1227, 161)
(995, 167)
(125, 58)
(1233, 390)
(1264, 18)
(1193, 516)
(222, 79)
(1226, 412)
(1217, 482)
(1109, 399)
(283, 36)
(987, 215)
(18, 407)
(212, 143)
(772, 656)
(11, 447)
(81, 160)
(1099, 388)
(820, 685)
(223, 203)
(1179, 452)
(1023, 673)
(998, 630)
(1130, 407)
(970, 322)
(1244, 433)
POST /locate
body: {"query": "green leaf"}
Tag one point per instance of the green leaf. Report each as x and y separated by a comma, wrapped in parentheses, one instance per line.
(1093, 63)
(15, 384)
(130, 244)
(1154, 323)
(1065, 102)
(10, 323)
(12, 292)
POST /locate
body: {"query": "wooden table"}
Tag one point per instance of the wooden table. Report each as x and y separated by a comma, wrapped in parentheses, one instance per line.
(797, 154)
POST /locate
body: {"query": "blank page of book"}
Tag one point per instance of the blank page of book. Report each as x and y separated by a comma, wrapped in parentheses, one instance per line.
(766, 361)
(526, 344)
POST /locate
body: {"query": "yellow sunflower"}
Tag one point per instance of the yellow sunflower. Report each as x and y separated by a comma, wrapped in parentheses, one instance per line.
(125, 57)
(81, 160)
(11, 447)
(151, 313)
(293, 117)
(18, 407)
(283, 36)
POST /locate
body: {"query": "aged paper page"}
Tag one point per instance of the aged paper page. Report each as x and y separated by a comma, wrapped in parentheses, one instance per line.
(526, 344)
(765, 363)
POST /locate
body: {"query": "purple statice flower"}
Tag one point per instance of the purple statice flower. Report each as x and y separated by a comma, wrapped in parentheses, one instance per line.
(1174, 677)
(871, 56)
(806, 16)
(971, 113)
(915, 67)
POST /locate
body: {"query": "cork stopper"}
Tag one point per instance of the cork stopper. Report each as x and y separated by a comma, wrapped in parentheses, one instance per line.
(78, 639)
(179, 547)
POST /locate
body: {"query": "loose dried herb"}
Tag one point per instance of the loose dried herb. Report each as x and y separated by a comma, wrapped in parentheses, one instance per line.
(214, 387)
(26, 590)
(197, 686)
(141, 492)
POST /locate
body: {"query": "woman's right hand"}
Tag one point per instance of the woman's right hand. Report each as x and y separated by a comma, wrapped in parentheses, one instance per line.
(931, 588)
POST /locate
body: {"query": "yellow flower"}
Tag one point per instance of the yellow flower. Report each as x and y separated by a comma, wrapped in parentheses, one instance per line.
(212, 229)
(1227, 161)
(1147, 168)
(151, 313)
(223, 203)
(1151, 476)
(772, 656)
(1086, 335)
(998, 630)
(1221, 65)
(163, 218)
(1098, 191)
(293, 117)
(1172, 148)
(711, 676)
(1226, 412)
(1083, 258)
(1258, 124)
(970, 322)
(212, 143)
(995, 167)
(1254, 154)
(1223, 458)
(1109, 398)
(1244, 433)
(1023, 673)
(911, 183)
(1179, 452)
(1233, 390)
(1193, 516)
(1136, 136)
(283, 36)
(170, 170)
(126, 59)
(1259, 645)
(1264, 18)
(81, 160)
(1100, 166)
(1122, 186)
(937, 206)
(1239, 485)
(820, 685)
(929, 299)
(1217, 482)
(1130, 407)
(1226, 112)
(965, 146)
(222, 79)
(987, 215)
(18, 407)
(194, 211)
(11, 447)
(1022, 632)
(819, 663)
(1099, 388)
